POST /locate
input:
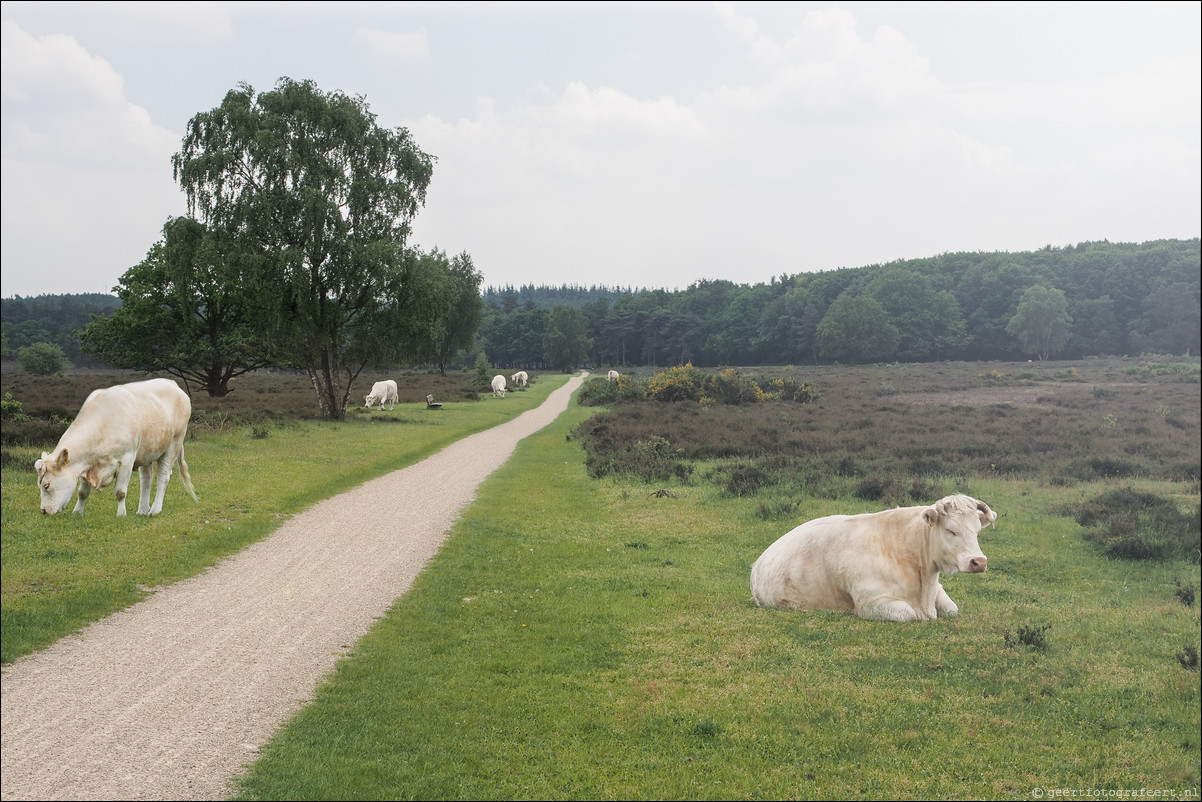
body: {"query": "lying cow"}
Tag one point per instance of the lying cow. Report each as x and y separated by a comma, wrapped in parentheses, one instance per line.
(882, 566)
(382, 393)
(119, 429)
(498, 386)
(611, 376)
(520, 379)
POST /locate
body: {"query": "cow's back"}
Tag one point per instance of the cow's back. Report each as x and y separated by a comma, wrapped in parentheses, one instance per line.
(146, 416)
(818, 564)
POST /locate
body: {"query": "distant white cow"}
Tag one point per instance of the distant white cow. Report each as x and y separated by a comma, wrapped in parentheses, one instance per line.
(520, 379)
(883, 566)
(498, 386)
(382, 393)
(138, 425)
(611, 376)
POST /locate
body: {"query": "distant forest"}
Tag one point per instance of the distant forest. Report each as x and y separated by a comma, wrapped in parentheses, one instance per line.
(1119, 299)
(1115, 299)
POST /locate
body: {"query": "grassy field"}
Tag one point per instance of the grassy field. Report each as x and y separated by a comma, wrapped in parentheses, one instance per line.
(602, 644)
(594, 638)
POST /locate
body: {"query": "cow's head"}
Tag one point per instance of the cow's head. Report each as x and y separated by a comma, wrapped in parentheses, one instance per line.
(367, 399)
(954, 523)
(55, 481)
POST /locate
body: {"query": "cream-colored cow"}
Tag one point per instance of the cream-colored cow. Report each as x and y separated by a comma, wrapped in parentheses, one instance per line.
(883, 566)
(498, 386)
(520, 379)
(138, 425)
(382, 393)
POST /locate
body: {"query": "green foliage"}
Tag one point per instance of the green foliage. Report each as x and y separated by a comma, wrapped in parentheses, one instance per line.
(331, 241)
(55, 319)
(196, 307)
(1137, 525)
(680, 383)
(482, 372)
(12, 410)
(857, 329)
(565, 343)
(42, 359)
(1042, 323)
(598, 391)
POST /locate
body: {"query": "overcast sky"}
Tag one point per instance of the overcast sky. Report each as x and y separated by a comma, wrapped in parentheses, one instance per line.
(632, 145)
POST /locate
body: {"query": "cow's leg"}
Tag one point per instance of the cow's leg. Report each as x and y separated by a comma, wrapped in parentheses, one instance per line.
(888, 610)
(125, 470)
(164, 476)
(944, 604)
(145, 481)
(85, 490)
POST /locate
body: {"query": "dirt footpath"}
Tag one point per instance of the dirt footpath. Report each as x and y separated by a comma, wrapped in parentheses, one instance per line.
(171, 698)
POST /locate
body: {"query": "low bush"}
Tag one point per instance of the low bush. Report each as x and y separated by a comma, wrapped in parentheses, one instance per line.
(1134, 525)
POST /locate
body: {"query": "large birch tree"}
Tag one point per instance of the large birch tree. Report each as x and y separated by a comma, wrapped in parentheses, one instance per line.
(328, 196)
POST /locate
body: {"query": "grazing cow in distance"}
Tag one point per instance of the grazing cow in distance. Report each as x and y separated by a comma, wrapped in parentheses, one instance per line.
(382, 393)
(520, 379)
(498, 386)
(139, 425)
(881, 566)
(611, 376)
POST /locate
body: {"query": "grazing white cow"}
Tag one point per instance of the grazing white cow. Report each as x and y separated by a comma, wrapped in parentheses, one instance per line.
(498, 386)
(520, 379)
(611, 376)
(118, 429)
(882, 566)
(382, 393)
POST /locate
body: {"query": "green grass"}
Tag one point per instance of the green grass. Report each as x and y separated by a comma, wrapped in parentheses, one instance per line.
(62, 572)
(578, 638)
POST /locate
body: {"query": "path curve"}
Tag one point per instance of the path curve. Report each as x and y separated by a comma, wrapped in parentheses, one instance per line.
(171, 698)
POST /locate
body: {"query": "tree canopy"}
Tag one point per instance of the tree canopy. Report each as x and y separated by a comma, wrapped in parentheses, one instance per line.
(327, 197)
(1042, 323)
(192, 308)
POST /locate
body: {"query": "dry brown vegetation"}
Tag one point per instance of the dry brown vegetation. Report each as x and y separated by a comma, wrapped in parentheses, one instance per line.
(897, 433)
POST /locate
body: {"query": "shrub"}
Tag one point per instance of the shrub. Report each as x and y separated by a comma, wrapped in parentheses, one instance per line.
(42, 359)
(1134, 525)
(11, 410)
(732, 387)
(681, 383)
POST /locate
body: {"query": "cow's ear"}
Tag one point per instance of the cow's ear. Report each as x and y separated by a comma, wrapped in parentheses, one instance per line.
(988, 516)
(62, 458)
(931, 515)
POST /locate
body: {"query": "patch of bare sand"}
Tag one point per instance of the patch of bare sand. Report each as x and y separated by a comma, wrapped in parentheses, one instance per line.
(171, 698)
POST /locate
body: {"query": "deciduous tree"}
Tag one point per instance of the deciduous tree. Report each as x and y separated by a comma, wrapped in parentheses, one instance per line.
(1042, 324)
(192, 308)
(328, 195)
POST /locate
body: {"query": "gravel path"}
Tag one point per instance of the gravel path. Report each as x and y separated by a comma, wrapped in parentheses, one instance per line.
(171, 698)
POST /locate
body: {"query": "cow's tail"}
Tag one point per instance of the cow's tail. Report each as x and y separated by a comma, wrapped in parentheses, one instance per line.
(184, 476)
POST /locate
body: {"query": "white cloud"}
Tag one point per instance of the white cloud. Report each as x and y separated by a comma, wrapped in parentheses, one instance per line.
(79, 161)
(407, 45)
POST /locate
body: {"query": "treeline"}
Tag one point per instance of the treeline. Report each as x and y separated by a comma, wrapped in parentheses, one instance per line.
(1118, 299)
(54, 319)
(1108, 298)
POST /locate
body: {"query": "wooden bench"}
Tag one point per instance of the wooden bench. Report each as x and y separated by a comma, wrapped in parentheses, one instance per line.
(431, 403)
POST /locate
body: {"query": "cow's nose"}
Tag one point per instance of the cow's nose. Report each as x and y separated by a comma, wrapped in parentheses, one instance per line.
(977, 564)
